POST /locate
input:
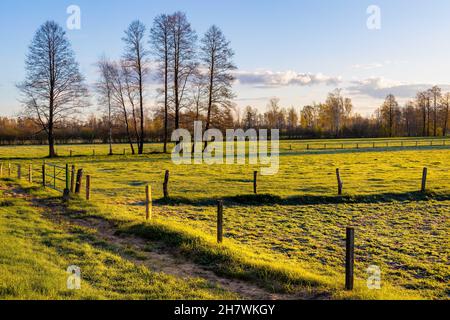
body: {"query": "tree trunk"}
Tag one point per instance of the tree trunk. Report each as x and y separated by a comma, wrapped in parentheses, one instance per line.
(141, 106)
(444, 133)
(166, 100)
(110, 127)
(51, 141)
(210, 98)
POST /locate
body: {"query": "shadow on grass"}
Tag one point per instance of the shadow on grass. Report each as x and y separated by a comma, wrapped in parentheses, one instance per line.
(224, 260)
(269, 199)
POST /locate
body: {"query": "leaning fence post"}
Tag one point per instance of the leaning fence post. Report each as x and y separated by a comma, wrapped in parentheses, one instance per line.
(72, 179)
(78, 183)
(220, 221)
(88, 187)
(148, 202)
(339, 181)
(166, 185)
(424, 179)
(66, 192)
(255, 182)
(349, 258)
(30, 173)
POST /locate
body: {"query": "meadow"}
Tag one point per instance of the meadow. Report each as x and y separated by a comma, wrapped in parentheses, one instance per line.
(292, 233)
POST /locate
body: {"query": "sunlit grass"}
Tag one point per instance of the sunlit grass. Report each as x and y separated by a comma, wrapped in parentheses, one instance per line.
(301, 225)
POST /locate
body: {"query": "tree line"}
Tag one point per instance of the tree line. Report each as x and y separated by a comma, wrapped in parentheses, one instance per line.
(426, 115)
(195, 78)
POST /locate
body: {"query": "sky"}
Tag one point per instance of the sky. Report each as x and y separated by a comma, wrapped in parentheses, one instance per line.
(296, 50)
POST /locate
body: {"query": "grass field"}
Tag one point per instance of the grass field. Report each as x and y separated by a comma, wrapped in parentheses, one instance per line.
(292, 234)
(35, 254)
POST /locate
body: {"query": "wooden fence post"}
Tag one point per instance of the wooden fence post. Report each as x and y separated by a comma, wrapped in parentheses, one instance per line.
(424, 179)
(19, 171)
(220, 221)
(9, 169)
(255, 182)
(66, 191)
(71, 153)
(43, 175)
(349, 258)
(148, 202)
(166, 185)
(1, 170)
(339, 181)
(93, 152)
(72, 180)
(88, 187)
(79, 181)
(30, 173)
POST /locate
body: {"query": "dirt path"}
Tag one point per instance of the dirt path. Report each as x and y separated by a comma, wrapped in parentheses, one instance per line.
(149, 253)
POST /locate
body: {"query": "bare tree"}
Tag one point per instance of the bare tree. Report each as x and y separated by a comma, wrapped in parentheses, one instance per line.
(136, 62)
(336, 108)
(121, 97)
(182, 56)
(390, 113)
(54, 87)
(421, 101)
(436, 94)
(445, 106)
(216, 55)
(160, 39)
(105, 90)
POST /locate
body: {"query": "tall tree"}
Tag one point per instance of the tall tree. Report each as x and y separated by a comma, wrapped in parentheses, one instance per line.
(160, 39)
(135, 57)
(54, 88)
(105, 90)
(445, 106)
(337, 107)
(182, 56)
(120, 96)
(390, 113)
(421, 101)
(436, 94)
(216, 55)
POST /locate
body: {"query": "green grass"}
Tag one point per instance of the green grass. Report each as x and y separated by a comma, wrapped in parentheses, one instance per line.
(35, 253)
(292, 234)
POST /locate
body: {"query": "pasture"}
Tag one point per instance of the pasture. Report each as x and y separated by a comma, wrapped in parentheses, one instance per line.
(291, 234)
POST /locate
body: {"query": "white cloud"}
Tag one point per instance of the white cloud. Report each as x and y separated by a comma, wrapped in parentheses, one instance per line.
(368, 66)
(267, 78)
(377, 65)
(380, 87)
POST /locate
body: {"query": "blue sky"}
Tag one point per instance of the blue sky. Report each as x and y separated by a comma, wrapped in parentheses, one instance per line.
(293, 49)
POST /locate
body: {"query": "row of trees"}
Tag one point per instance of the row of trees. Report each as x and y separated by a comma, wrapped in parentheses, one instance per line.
(427, 115)
(332, 118)
(196, 79)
